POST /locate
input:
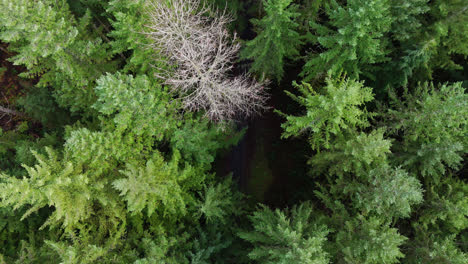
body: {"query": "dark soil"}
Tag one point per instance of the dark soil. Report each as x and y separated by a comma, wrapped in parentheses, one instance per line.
(268, 168)
(11, 88)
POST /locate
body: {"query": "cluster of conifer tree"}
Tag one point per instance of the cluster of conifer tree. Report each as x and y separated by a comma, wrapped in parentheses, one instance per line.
(105, 163)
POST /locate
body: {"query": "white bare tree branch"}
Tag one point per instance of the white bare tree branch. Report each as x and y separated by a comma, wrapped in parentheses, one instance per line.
(10, 111)
(203, 53)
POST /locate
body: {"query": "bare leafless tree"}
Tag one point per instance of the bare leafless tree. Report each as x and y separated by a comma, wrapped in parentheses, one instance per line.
(202, 52)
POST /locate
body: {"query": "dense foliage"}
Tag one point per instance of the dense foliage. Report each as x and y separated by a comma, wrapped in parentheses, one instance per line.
(123, 131)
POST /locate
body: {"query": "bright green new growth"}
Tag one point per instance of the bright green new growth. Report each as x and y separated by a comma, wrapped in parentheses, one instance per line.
(286, 237)
(129, 18)
(135, 104)
(159, 184)
(76, 182)
(276, 41)
(55, 46)
(56, 183)
(330, 112)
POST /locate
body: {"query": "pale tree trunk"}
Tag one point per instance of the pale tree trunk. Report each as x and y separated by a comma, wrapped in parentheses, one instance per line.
(10, 111)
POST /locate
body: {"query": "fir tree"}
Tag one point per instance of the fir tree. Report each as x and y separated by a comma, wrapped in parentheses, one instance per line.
(359, 172)
(277, 39)
(355, 153)
(128, 22)
(136, 104)
(286, 237)
(449, 31)
(406, 18)
(220, 201)
(433, 249)
(368, 241)
(330, 111)
(420, 52)
(51, 43)
(433, 124)
(353, 39)
(158, 185)
(100, 161)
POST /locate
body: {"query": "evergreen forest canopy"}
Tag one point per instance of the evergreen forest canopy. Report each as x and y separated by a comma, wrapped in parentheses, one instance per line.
(118, 118)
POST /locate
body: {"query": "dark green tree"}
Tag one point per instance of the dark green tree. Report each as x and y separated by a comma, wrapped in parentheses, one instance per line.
(352, 40)
(277, 39)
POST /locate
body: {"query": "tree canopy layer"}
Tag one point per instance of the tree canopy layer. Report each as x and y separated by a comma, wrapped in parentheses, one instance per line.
(143, 131)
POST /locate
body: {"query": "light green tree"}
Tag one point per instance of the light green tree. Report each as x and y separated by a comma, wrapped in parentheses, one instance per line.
(330, 111)
(55, 45)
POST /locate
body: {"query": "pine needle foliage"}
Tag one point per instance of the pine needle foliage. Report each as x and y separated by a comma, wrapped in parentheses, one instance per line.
(330, 111)
(158, 184)
(356, 153)
(446, 207)
(142, 108)
(72, 255)
(388, 192)
(434, 250)
(136, 104)
(277, 39)
(361, 178)
(368, 241)
(420, 53)
(352, 40)
(449, 30)
(433, 125)
(52, 44)
(54, 183)
(406, 16)
(220, 201)
(130, 108)
(286, 237)
(128, 22)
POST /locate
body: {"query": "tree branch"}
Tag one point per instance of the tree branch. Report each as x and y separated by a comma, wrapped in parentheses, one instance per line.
(203, 54)
(11, 112)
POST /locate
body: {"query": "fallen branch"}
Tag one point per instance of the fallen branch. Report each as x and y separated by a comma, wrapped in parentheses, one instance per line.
(11, 111)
